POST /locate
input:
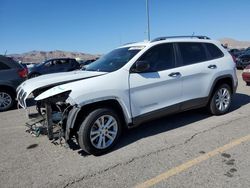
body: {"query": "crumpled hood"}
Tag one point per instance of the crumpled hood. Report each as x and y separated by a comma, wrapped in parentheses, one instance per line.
(52, 80)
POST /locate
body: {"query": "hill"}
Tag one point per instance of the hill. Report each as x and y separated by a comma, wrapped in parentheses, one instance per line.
(232, 43)
(39, 56)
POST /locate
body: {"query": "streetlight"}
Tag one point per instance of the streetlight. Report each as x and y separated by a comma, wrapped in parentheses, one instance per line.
(148, 26)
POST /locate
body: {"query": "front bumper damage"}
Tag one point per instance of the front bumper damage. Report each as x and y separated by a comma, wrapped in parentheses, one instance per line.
(54, 116)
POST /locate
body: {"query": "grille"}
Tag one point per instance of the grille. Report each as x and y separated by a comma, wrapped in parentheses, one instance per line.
(21, 96)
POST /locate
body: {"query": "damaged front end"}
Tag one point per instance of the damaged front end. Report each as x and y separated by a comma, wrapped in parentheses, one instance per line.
(55, 110)
(56, 113)
(59, 112)
(52, 101)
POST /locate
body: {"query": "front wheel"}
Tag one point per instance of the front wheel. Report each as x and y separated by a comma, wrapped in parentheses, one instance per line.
(99, 131)
(221, 100)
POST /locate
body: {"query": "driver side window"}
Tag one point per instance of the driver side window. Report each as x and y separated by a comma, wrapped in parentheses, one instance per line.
(160, 57)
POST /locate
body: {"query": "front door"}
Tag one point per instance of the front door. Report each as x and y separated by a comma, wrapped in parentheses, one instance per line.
(157, 90)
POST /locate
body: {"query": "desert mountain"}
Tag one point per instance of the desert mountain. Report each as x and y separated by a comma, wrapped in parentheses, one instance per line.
(39, 56)
(232, 43)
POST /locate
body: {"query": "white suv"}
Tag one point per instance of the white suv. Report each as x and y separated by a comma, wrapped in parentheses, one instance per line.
(133, 84)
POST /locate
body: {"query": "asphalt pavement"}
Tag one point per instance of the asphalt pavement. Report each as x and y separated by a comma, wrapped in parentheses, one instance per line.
(191, 149)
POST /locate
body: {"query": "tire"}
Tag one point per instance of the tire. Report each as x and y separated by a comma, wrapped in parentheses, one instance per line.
(90, 128)
(248, 83)
(7, 99)
(220, 106)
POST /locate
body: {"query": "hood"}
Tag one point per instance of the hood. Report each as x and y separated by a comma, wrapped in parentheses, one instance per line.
(51, 80)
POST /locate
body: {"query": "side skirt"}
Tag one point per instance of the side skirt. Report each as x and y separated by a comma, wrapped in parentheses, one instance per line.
(180, 107)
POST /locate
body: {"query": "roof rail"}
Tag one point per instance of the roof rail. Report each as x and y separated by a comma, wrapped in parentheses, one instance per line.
(171, 37)
(128, 43)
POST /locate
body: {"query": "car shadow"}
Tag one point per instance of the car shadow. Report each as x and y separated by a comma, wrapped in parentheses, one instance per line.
(155, 127)
(169, 123)
(239, 100)
(159, 126)
(172, 122)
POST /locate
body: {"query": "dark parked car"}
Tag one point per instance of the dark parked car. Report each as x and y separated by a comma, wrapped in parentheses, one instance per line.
(54, 66)
(12, 74)
(236, 52)
(243, 60)
(87, 62)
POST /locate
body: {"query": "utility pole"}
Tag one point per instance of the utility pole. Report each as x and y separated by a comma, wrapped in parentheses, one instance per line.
(148, 24)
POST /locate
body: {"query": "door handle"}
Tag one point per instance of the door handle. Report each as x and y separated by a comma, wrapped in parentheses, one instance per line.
(174, 74)
(212, 67)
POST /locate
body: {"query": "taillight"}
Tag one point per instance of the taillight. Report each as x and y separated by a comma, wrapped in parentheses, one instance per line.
(23, 72)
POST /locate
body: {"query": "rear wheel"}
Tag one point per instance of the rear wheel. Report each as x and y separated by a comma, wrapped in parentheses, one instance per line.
(7, 99)
(221, 100)
(99, 131)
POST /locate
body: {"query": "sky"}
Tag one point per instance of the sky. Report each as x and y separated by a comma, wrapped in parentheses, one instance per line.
(98, 26)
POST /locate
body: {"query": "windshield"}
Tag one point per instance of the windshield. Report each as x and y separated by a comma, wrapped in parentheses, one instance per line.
(113, 60)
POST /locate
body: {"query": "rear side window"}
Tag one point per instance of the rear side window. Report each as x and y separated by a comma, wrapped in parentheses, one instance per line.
(64, 61)
(160, 57)
(3, 66)
(48, 64)
(214, 51)
(192, 52)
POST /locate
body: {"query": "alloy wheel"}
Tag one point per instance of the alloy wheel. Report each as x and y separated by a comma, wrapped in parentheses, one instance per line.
(5, 100)
(222, 99)
(103, 132)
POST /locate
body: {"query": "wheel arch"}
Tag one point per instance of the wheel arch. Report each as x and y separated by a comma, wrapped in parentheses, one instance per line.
(9, 88)
(77, 114)
(225, 79)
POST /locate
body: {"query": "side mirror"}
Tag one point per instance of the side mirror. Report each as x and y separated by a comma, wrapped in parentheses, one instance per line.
(141, 66)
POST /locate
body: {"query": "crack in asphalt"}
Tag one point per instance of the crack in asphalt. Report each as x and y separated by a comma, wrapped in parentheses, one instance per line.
(119, 164)
(148, 154)
(212, 128)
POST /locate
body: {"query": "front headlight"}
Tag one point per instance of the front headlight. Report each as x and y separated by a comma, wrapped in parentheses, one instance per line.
(57, 95)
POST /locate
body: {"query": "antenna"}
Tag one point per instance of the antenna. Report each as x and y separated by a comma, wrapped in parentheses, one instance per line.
(148, 24)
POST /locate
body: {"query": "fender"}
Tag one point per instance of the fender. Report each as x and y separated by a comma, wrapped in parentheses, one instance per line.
(73, 113)
(71, 121)
(125, 109)
(234, 88)
(7, 84)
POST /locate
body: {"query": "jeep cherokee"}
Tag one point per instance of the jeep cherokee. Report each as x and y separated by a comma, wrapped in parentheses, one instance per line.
(133, 84)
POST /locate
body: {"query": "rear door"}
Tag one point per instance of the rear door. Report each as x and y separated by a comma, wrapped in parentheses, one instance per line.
(197, 68)
(9, 75)
(65, 65)
(157, 91)
(47, 67)
(59, 65)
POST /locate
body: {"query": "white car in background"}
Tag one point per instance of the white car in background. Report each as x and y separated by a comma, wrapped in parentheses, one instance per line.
(133, 84)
